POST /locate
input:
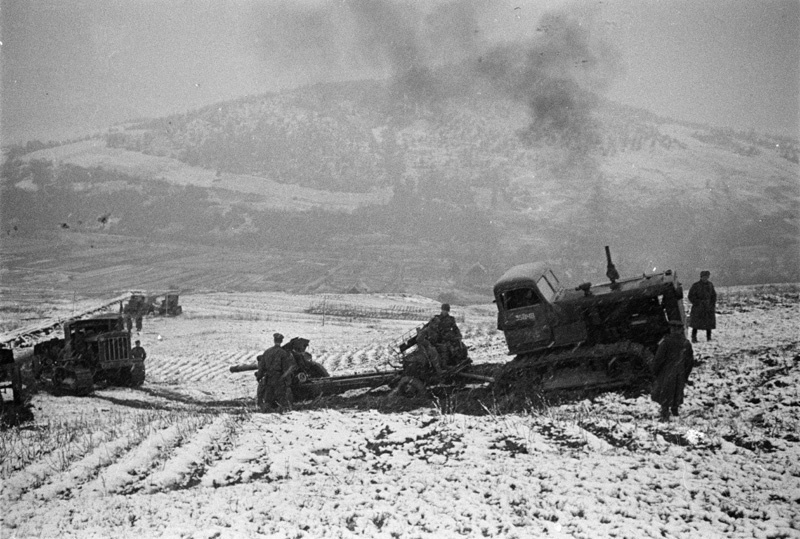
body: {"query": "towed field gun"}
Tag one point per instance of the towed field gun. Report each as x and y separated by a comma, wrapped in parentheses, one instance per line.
(411, 375)
(600, 337)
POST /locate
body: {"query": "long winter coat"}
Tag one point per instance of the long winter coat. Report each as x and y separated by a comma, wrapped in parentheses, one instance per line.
(704, 305)
(275, 366)
(671, 368)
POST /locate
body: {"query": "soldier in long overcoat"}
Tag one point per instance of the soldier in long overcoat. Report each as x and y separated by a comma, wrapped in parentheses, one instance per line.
(703, 298)
(671, 368)
(275, 369)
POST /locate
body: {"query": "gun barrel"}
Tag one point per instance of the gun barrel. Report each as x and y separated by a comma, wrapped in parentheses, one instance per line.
(608, 256)
(245, 367)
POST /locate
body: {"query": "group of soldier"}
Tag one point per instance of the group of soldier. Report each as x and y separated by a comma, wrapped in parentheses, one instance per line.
(276, 368)
(674, 358)
(441, 346)
(440, 340)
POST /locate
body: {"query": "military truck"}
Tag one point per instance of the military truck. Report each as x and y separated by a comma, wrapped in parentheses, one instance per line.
(92, 350)
(587, 337)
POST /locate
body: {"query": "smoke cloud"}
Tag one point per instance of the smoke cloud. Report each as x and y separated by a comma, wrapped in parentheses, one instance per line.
(429, 53)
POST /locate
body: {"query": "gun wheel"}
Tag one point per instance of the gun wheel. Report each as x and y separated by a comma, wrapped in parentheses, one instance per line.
(410, 387)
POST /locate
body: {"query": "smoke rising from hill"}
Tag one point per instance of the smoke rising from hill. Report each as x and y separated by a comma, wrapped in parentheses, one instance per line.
(555, 68)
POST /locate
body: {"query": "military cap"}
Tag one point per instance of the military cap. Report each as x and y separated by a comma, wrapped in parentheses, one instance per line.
(278, 337)
(705, 273)
(446, 307)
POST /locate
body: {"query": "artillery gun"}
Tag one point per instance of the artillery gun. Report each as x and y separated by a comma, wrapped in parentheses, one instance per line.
(410, 377)
(586, 338)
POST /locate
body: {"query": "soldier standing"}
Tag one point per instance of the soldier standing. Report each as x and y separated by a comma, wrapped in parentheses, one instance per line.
(704, 306)
(137, 352)
(274, 375)
(671, 368)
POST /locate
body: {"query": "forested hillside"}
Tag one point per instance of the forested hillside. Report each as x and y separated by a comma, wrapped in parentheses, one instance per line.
(469, 177)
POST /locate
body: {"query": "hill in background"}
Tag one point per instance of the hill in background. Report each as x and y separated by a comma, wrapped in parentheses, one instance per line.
(362, 186)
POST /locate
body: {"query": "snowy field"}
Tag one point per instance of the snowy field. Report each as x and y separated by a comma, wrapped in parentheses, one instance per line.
(187, 455)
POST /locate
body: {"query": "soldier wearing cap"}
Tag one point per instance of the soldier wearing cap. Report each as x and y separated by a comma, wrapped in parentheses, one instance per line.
(671, 368)
(137, 352)
(704, 306)
(274, 375)
(445, 336)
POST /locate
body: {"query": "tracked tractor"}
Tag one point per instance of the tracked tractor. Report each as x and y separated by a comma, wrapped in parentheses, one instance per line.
(587, 337)
(93, 350)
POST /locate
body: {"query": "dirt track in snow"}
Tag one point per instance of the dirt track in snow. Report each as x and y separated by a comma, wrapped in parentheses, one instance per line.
(187, 456)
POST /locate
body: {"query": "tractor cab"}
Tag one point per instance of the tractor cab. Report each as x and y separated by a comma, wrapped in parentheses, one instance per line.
(524, 296)
(97, 340)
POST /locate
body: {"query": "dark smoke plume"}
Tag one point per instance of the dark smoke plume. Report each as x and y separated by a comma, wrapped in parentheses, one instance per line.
(556, 76)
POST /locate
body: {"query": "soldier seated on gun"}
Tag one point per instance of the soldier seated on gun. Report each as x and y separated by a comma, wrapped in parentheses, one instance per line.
(425, 335)
(448, 337)
(301, 358)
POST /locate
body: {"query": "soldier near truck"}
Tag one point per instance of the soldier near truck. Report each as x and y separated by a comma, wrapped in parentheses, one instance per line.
(275, 369)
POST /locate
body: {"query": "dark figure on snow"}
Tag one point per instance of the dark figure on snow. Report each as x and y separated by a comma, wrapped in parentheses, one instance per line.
(137, 352)
(305, 361)
(447, 337)
(703, 298)
(671, 368)
(425, 337)
(275, 369)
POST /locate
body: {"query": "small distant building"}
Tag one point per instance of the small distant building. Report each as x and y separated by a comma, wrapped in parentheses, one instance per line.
(358, 288)
(476, 276)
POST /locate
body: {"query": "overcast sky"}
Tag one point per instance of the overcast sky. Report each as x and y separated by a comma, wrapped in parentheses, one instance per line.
(72, 67)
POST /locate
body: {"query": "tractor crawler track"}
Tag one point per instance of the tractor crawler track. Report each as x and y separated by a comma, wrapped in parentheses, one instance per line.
(601, 367)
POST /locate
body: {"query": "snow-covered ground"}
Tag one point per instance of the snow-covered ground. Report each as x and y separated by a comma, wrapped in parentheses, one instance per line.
(187, 455)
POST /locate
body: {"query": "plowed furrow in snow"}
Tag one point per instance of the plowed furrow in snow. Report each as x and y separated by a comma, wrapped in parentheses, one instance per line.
(41, 471)
(84, 470)
(73, 464)
(121, 476)
(245, 461)
(190, 460)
